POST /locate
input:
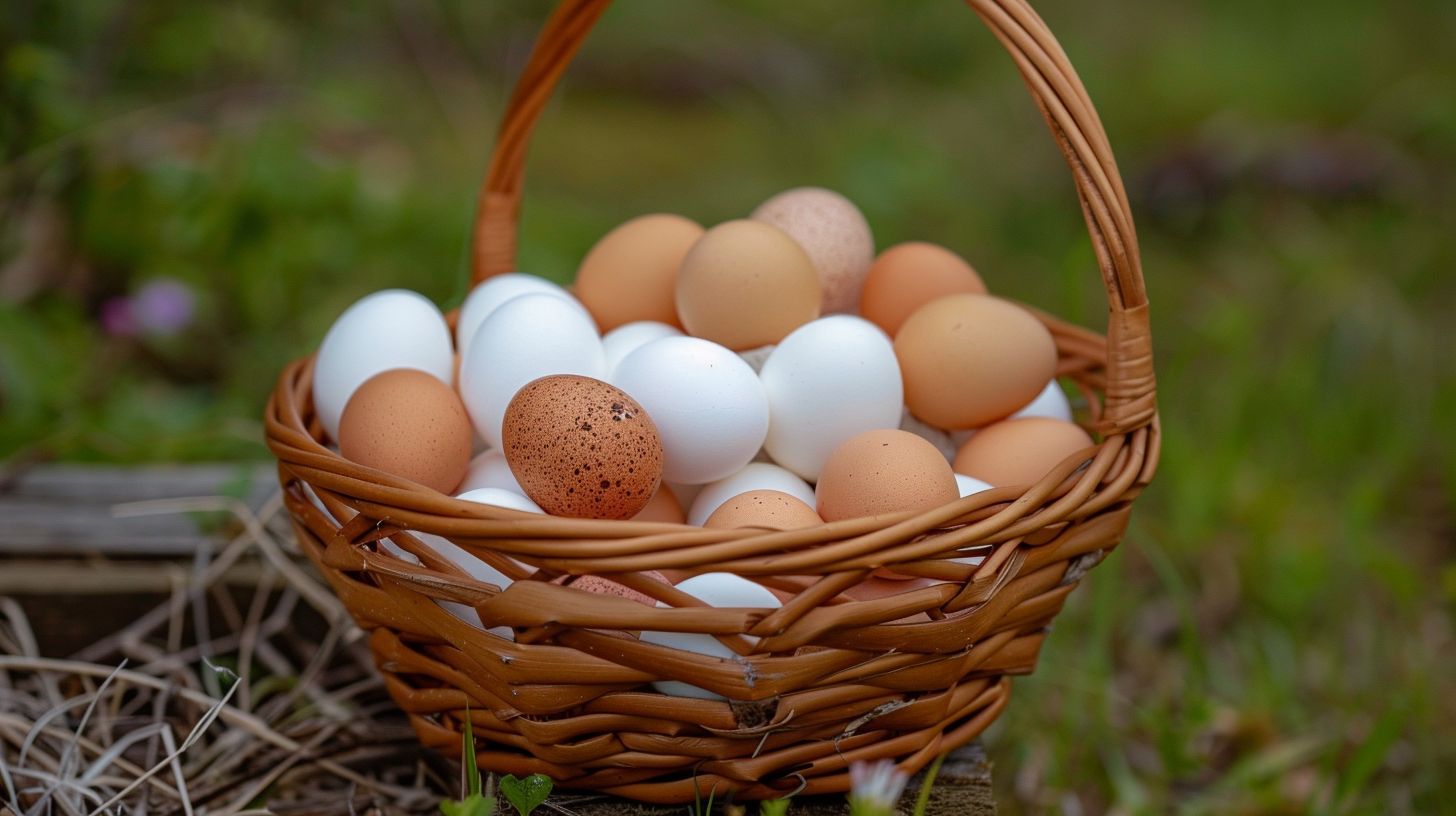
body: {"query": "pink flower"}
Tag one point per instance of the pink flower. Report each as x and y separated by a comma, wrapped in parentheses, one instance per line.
(162, 307)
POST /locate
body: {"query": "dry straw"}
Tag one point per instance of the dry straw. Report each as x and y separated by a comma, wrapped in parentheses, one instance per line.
(817, 684)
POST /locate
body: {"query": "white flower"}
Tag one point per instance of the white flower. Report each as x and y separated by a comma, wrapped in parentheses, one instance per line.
(875, 787)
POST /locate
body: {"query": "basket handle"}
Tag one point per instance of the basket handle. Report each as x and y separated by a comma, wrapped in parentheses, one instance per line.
(1130, 392)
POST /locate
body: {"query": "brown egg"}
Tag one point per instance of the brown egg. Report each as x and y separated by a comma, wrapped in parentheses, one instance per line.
(582, 448)
(1019, 451)
(629, 274)
(910, 275)
(605, 586)
(745, 284)
(835, 235)
(773, 509)
(884, 471)
(408, 423)
(662, 507)
(968, 360)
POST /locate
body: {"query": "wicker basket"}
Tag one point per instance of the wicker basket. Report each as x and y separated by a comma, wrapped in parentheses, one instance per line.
(822, 681)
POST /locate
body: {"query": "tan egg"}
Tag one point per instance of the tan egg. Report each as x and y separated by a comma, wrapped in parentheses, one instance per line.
(1018, 452)
(745, 284)
(773, 509)
(910, 275)
(835, 235)
(662, 507)
(968, 360)
(629, 274)
(582, 448)
(884, 471)
(408, 423)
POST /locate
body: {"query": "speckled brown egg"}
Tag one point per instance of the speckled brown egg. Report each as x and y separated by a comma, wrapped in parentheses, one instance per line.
(884, 471)
(580, 447)
(1019, 451)
(772, 509)
(598, 585)
(408, 423)
(835, 235)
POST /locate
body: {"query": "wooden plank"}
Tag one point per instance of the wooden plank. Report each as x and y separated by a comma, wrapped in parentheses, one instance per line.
(53, 510)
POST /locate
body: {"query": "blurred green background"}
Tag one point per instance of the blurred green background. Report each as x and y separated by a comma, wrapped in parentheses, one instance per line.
(1277, 634)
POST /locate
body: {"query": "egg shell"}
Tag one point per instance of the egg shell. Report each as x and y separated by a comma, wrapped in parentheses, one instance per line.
(491, 293)
(834, 234)
(662, 507)
(1019, 451)
(528, 337)
(969, 360)
(1051, 402)
(771, 509)
(582, 448)
(746, 284)
(907, 276)
(753, 476)
(685, 493)
(629, 337)
(410, 424)
(827, 381)
(489, 469)
(721, 590)
(707, 404)
(885, 471)
(598, 585)
(970, 486)
(631, 273)
(394, 328)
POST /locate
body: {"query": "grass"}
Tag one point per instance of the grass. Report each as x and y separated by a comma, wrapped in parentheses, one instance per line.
(1275, 636)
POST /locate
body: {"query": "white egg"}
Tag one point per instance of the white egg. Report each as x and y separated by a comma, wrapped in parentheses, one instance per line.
(1051, 402)
(753, 476)
(827, 381)
(707, 404)
(489, 469)
(394, 328)
(528, 337)
(627, 338)
(489, 294)
(462, 558)
(717, 589)
(968, 485)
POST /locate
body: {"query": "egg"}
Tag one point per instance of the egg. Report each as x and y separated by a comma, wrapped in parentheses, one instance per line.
(968, 360)
(527, 337)
(907, 276)
(408, 423)
(629, 337)
(685, 493)
(753, 476)
(746, 284)
(598, 585)
(662, 507)
(500, 497)
(764, 508)
(1019, 451)
(394, 328)
(582, 448)
(826, 382)
(1051, 402)
(489, 469)
(630, 274)
(716, 589)
(708, 406)
(491, 293)
(835, 235)
(884, 471)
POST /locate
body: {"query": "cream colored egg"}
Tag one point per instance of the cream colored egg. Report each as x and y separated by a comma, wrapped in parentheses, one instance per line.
(834, 233)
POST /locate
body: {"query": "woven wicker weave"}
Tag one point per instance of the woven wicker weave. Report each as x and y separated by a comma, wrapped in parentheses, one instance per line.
(823, 681)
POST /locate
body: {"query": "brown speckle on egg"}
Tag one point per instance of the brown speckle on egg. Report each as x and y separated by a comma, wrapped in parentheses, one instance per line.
(580, 447)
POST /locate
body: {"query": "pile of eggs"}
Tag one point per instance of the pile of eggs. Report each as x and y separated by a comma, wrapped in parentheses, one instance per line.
(770, 372)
